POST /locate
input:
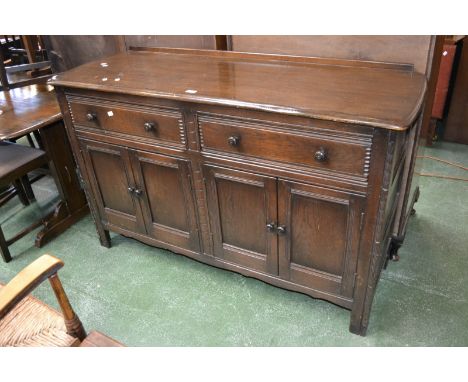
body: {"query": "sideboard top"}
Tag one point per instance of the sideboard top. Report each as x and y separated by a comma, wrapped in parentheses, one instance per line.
(384, 96)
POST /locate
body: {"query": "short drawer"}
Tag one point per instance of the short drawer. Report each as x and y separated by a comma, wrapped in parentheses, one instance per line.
(158, 124)
(345, 154)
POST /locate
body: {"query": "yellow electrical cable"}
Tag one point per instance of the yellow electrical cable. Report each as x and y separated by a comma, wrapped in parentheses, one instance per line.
(443, 161)
(434, 175)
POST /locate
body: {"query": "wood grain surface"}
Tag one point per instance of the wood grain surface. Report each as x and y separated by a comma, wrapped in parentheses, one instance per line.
(372, 96)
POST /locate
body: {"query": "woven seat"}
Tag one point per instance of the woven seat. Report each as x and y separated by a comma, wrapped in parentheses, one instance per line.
(33, 323)
(27, 321)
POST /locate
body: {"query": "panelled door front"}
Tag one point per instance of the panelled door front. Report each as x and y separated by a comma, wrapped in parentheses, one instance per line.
(242, 210)
(319, 236)
(164, 187)
(113, 184)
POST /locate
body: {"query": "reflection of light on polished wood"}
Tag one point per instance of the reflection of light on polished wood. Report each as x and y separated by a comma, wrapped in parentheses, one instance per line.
(292, 170)
(25, 109)
(383, 96)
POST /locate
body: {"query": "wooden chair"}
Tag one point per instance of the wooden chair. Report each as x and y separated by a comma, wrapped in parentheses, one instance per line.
(23, 61)
(27, 321)
(15, 163)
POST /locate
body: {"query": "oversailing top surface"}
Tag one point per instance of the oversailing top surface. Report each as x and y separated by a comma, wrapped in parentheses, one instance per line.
(384, 97)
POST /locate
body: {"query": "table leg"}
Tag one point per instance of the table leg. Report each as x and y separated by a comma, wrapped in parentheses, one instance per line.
(72, 206)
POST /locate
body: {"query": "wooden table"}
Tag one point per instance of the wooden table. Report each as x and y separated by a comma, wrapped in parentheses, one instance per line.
(27, 109)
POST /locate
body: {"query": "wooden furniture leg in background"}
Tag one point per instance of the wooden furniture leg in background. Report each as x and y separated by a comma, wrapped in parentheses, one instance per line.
(21, 192)
(4, 247)
(30, 43)
(427, 131)
(456, 127)
(3, 75)
(72, 206)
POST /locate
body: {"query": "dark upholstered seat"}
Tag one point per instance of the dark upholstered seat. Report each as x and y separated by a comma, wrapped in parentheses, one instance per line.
(17, 160)
(15, 163)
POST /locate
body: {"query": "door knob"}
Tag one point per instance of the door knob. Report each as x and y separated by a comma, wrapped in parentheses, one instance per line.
(138, 192)
(131, 190)
(281, 230)
(234, 140)
(271, 227)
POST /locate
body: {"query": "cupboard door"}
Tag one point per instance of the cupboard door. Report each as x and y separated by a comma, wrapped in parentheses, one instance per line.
(167, 198)
(112, 182)
(320, 242)
(240, 206)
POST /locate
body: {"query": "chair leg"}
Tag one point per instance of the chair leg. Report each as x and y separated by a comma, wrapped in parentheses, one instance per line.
(4, 248)
(30, 141)
(38, 138)
(21, 193)
(7, 194)
(27, 188)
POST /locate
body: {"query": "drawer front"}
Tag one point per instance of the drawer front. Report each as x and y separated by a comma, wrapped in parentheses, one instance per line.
(348, 154)
(150, 123)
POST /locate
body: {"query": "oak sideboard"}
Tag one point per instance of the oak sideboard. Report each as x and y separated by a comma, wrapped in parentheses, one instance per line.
(296, 171)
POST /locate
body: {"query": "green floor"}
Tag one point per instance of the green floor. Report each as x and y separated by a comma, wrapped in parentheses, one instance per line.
(143, 296)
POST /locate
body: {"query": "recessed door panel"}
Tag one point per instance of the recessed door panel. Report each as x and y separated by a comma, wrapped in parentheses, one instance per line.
(318, 233)
(112, 181)
(242, 214)
(241, 205)
(165, 195)
(320, 244)
(169, 209)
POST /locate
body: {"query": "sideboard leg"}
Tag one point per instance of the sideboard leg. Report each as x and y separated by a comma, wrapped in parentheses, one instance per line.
(104, 237)
(359, 320)
(356, 325)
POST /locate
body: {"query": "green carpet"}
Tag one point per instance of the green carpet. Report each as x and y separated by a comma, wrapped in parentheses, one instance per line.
(144, 296)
